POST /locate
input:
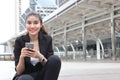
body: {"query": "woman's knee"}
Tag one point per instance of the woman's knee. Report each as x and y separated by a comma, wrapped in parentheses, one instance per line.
(25, 77)
(54, 60)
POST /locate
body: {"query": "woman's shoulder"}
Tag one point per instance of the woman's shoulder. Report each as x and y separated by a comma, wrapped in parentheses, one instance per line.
(21, 38)
(48, 37)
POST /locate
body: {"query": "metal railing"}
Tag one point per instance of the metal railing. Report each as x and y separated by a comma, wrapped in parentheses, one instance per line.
(90, 54)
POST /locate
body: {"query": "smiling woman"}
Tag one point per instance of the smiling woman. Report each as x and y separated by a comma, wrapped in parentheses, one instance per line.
(37, 62)
(7, 19)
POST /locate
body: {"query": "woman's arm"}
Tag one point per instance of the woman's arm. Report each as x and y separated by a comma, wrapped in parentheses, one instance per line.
(19, 58)
(21, 65)
(49, 47)
(43, 60)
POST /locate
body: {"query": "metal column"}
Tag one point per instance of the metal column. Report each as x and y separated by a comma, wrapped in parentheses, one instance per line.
(113, 38)
(65, 41)
(73, 50)
(84, 39)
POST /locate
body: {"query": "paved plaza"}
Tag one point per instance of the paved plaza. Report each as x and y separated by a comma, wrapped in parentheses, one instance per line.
(74, 70)
(90, 71)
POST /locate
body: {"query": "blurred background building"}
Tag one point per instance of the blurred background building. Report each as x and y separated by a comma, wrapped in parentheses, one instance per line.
(81, 29)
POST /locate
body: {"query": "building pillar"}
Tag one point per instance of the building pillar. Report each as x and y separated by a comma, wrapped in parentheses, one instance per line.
(73, 50)
(113, 38)
(58, 51)
(84, 39)
(98, 50)
(65, 41)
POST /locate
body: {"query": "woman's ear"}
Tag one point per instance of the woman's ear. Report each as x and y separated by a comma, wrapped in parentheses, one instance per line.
(43, 24)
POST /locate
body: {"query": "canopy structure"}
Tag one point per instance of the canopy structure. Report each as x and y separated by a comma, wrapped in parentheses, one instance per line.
(93, 15)
(82, 21)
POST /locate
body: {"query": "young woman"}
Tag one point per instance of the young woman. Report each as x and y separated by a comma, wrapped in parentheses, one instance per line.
(38, 63)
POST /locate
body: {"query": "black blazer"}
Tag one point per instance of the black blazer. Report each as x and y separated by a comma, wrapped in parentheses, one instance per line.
(45, 44)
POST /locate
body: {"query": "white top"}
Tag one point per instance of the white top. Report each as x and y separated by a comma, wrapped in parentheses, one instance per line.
(34, 61)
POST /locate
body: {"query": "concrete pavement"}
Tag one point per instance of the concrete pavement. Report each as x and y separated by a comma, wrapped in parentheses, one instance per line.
(6, 70)
(90, 71)
(73, 70)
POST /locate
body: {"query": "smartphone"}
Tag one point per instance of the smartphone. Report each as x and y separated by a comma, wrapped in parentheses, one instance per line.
(29, 45)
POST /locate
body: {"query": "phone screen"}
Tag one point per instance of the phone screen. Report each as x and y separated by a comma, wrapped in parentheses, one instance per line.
(29, 45)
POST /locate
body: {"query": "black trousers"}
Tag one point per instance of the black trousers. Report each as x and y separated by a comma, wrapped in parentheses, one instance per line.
(50, 71)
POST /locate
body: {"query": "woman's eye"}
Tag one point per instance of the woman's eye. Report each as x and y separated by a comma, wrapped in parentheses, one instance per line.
(35, 22)
(29, 22)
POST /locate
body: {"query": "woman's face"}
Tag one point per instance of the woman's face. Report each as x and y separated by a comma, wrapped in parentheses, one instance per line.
(33, 25)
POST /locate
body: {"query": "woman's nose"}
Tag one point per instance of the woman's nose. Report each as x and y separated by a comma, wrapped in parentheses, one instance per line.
(32, 25)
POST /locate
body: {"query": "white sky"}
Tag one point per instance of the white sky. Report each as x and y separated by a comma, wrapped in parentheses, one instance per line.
(7, 19)
(24, 5)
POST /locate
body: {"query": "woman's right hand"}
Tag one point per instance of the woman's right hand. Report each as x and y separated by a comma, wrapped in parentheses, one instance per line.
(25, 53)
(21, 65)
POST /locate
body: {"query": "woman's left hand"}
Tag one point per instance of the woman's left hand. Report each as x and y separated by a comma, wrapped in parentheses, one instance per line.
(35, 54)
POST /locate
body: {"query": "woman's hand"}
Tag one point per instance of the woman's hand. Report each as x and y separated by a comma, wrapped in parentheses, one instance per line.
(37, 54)
(28, 52)
(25, 52)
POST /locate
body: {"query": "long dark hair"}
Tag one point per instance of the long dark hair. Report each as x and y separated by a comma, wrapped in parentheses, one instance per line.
(37, 15)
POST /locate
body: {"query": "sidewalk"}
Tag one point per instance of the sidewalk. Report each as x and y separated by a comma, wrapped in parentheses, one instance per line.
(89, 70)
(6, 70)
